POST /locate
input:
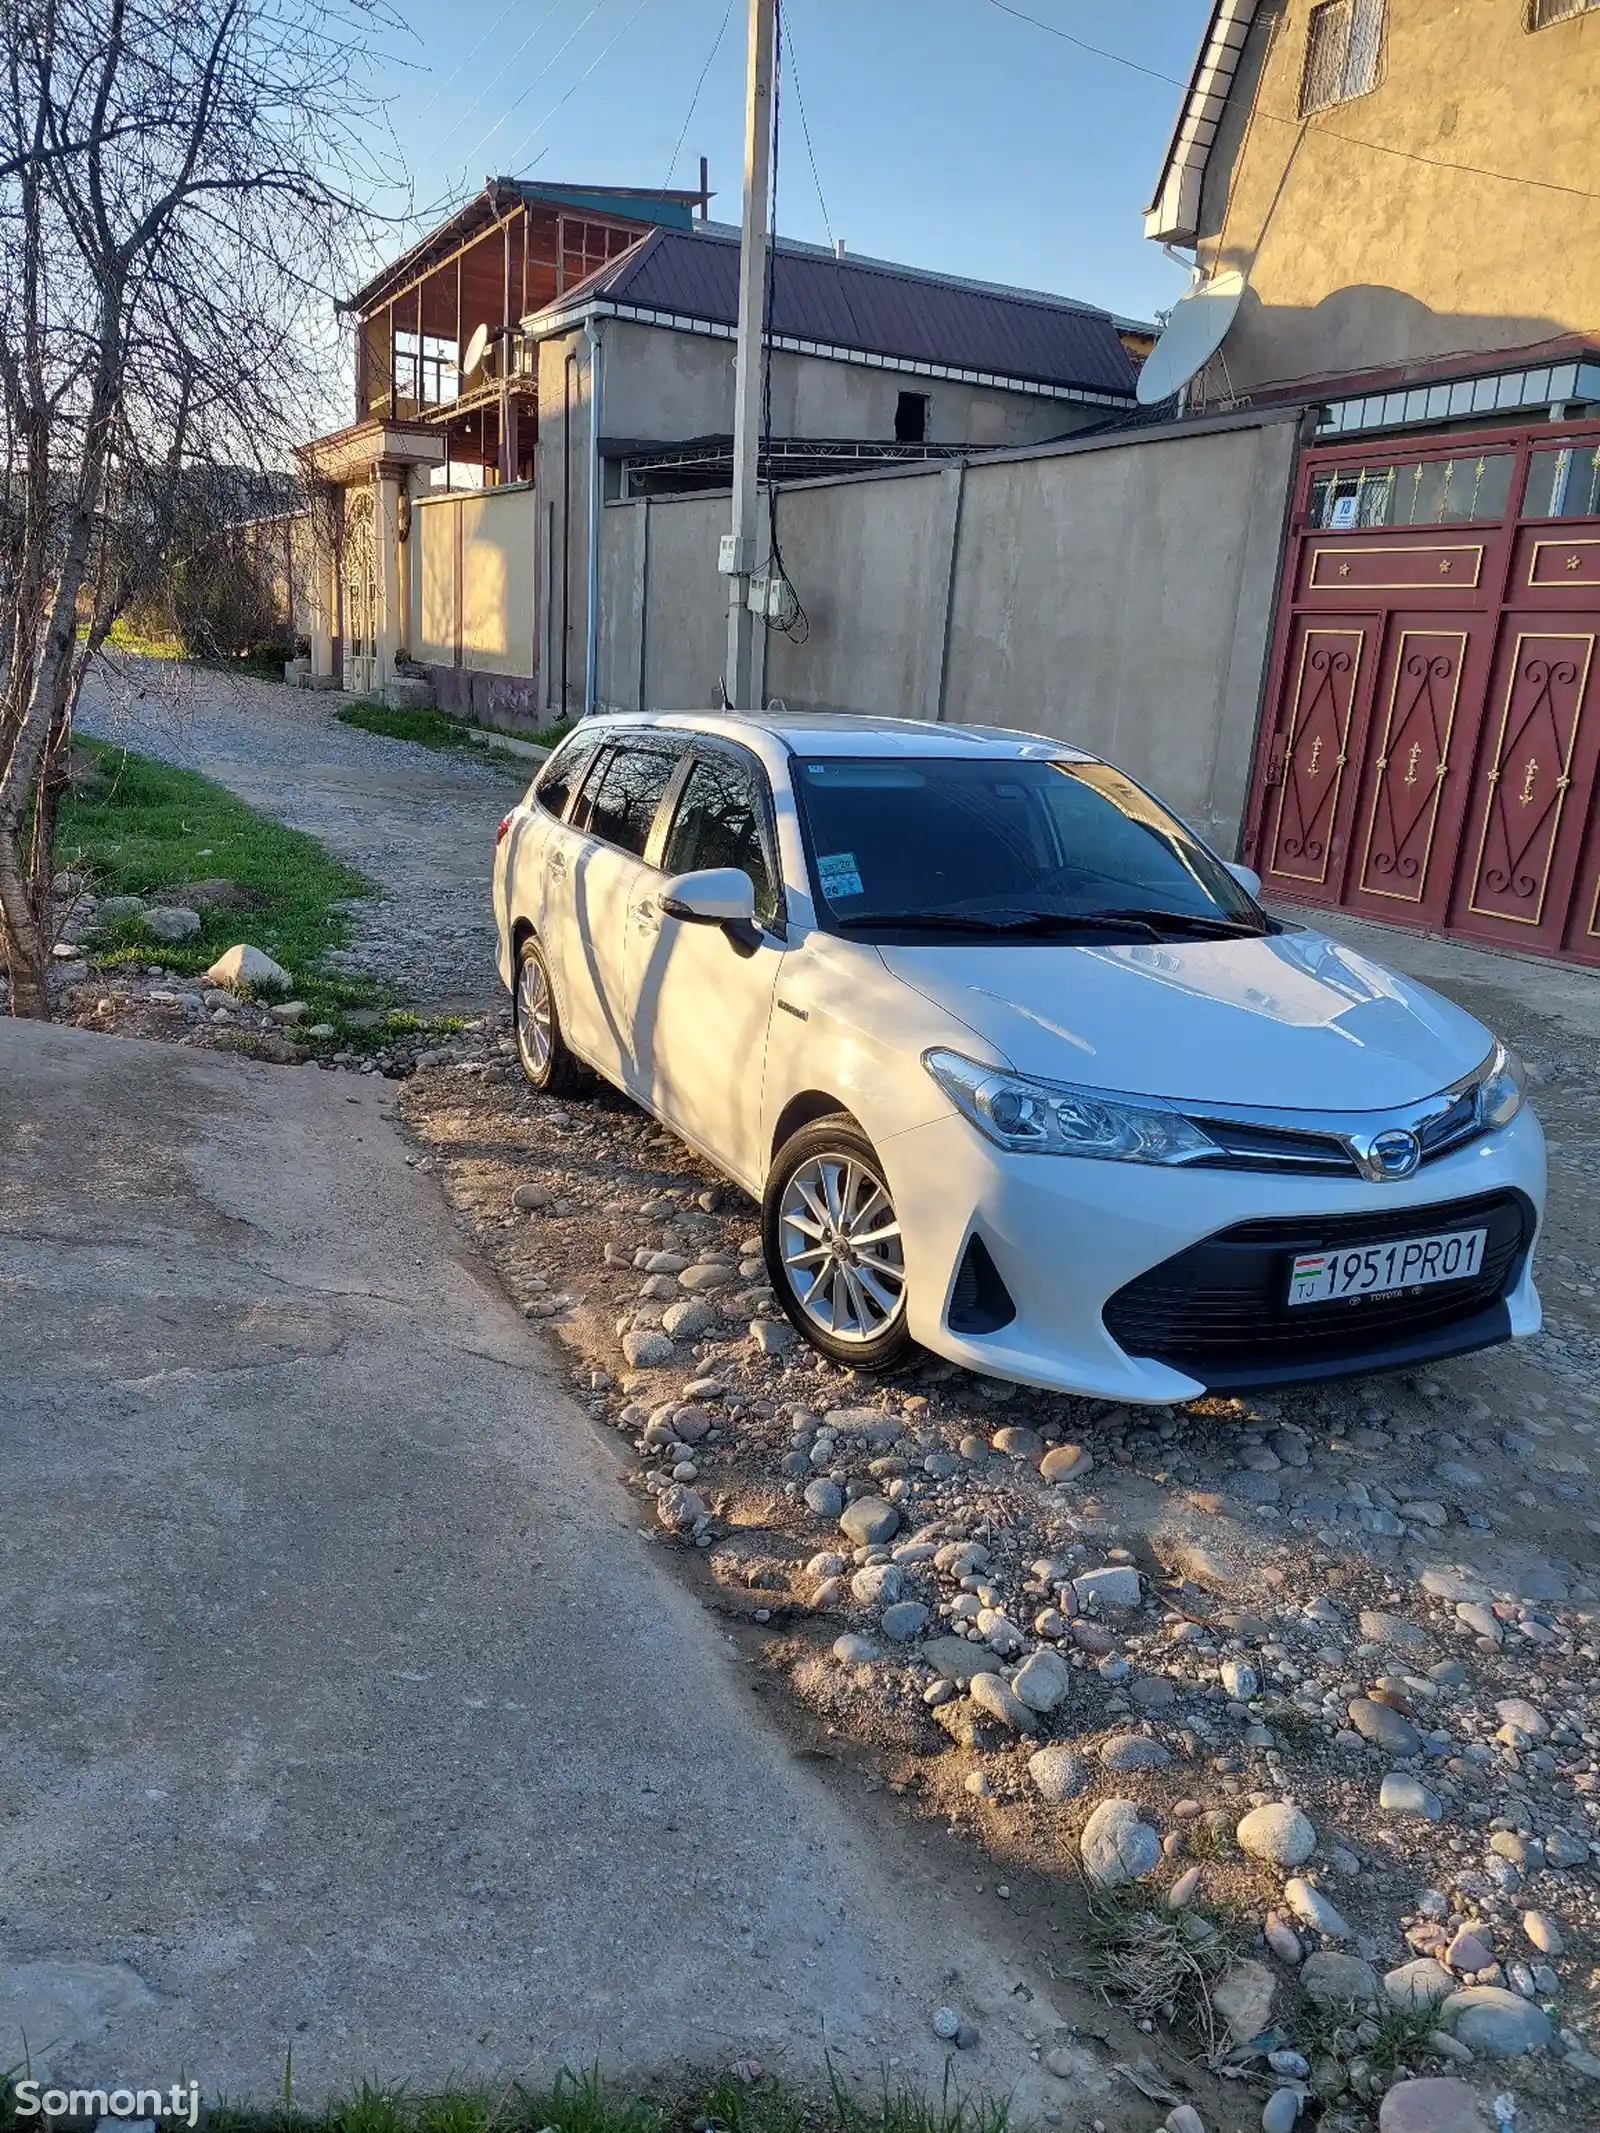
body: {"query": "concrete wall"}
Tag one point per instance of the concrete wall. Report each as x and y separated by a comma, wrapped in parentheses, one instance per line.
(472, 598)
(1117, 592)
(665, 385)
(1359, 259)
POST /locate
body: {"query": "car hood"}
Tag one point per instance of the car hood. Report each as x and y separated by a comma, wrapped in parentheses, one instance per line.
(1291, 1021)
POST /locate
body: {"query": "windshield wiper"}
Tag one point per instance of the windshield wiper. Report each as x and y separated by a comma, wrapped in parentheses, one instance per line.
(1200, 922)
(1020, 922)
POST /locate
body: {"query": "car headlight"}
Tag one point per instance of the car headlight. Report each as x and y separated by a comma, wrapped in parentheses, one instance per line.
(1502, 1089)
(1055, 1118)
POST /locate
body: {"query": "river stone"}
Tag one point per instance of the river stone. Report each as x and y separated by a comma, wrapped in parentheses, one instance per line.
(1494, 2023)
(171, 922)
(1342, 1978)
(992, 1696)
(1019, 1443)
(1057, 1773)
(1114, 1586)
(1313, 1909)
(1526, 1717)
(1116, 1845)
(247, 966)
(1543, 1932)
(1067, 1462)
(646, 1350)
(869, 1521)
(1419, 1985)
(1469, 1951)
(1042, 1681)
(956, 1658)
(1240, 1680)
(879, 1585)
(1384, 1727)
(688, 1319)
(1281, 2111)
(1133, 1751)
(854, 1650)
(680, 1509)
(1443, 1583)
(1401, 1795)
(904, 1621)
(824, 1497)
(1436, 2104)
(1278, 1833)
(1244, 1999)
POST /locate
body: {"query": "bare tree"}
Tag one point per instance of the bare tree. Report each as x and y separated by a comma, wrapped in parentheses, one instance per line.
(183, 186)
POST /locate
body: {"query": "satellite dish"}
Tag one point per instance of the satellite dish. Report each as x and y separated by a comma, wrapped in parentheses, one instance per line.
(1196, 330)
(476, 349)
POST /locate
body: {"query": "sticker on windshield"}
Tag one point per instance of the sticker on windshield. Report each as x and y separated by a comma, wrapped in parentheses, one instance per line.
(837, 873)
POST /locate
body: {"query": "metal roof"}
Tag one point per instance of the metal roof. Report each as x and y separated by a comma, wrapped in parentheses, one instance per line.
(627, 203)
(826, 304)
(1173, 215)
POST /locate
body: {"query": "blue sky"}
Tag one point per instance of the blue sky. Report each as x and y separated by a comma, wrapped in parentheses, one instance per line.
(946, 132)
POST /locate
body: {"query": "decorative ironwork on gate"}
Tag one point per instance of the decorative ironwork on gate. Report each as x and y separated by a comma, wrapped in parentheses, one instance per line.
(1429, 755)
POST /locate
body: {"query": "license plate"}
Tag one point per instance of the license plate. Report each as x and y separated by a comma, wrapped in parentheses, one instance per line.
(1381, 1269)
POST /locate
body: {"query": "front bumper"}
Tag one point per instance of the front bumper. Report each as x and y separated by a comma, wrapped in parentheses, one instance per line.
(1065, 1236)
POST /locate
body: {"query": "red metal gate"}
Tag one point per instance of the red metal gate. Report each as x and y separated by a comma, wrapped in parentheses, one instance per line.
(1431, 754)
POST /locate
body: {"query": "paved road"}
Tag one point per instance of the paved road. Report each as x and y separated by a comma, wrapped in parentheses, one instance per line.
(341, 1710)
(418, 822)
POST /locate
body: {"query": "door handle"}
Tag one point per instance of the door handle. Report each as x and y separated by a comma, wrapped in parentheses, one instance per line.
(558, 863)
(649, 915)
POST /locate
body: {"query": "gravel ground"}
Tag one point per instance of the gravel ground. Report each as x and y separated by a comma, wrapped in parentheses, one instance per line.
(1370, 1609)
(1373, 1604)
(419, 823)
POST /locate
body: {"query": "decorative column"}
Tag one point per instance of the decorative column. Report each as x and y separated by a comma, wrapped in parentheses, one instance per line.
(389, 622)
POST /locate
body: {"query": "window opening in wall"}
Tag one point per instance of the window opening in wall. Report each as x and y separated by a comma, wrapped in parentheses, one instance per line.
(425, 369)
(1344, 39)
(1470, 490)
(911, 419)
(1541, 13)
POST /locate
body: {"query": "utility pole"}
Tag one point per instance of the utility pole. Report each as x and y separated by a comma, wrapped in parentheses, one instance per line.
(737, 560)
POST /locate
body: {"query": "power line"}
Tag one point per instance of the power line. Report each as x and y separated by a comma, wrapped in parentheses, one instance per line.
(694, 101)
(465, 63)
(805, 126)
(604, 53)
(1279, 118)
(522, 97)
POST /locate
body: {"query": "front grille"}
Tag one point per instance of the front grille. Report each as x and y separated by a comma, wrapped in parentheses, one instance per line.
(1217, 1312)
(1267, 1143)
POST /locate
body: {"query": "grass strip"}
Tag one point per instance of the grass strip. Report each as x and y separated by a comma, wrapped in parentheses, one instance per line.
(431, 729)
(749, 2102)
(133, 826)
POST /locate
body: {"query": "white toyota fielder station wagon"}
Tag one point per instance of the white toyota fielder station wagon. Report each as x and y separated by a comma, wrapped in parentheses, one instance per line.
(1017, 1067)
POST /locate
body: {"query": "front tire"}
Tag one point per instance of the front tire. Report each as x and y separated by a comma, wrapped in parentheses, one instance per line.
(542, 1053)
(833, 1246)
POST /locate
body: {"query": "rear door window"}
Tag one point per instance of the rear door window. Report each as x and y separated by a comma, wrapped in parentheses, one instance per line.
(620, 805)
(563, 773)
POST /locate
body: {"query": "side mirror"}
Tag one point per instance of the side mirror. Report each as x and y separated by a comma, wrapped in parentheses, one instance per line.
(715, 896)
(1246, 877)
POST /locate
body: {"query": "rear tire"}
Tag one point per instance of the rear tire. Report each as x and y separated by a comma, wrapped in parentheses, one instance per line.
(832, 1245)
(542, 1053)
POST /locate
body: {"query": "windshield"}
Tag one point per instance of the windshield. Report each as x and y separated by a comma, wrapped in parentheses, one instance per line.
(1033, 848)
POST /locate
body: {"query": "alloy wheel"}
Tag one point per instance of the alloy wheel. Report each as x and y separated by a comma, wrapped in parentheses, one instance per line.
(535, 1017)
(839, 1242)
